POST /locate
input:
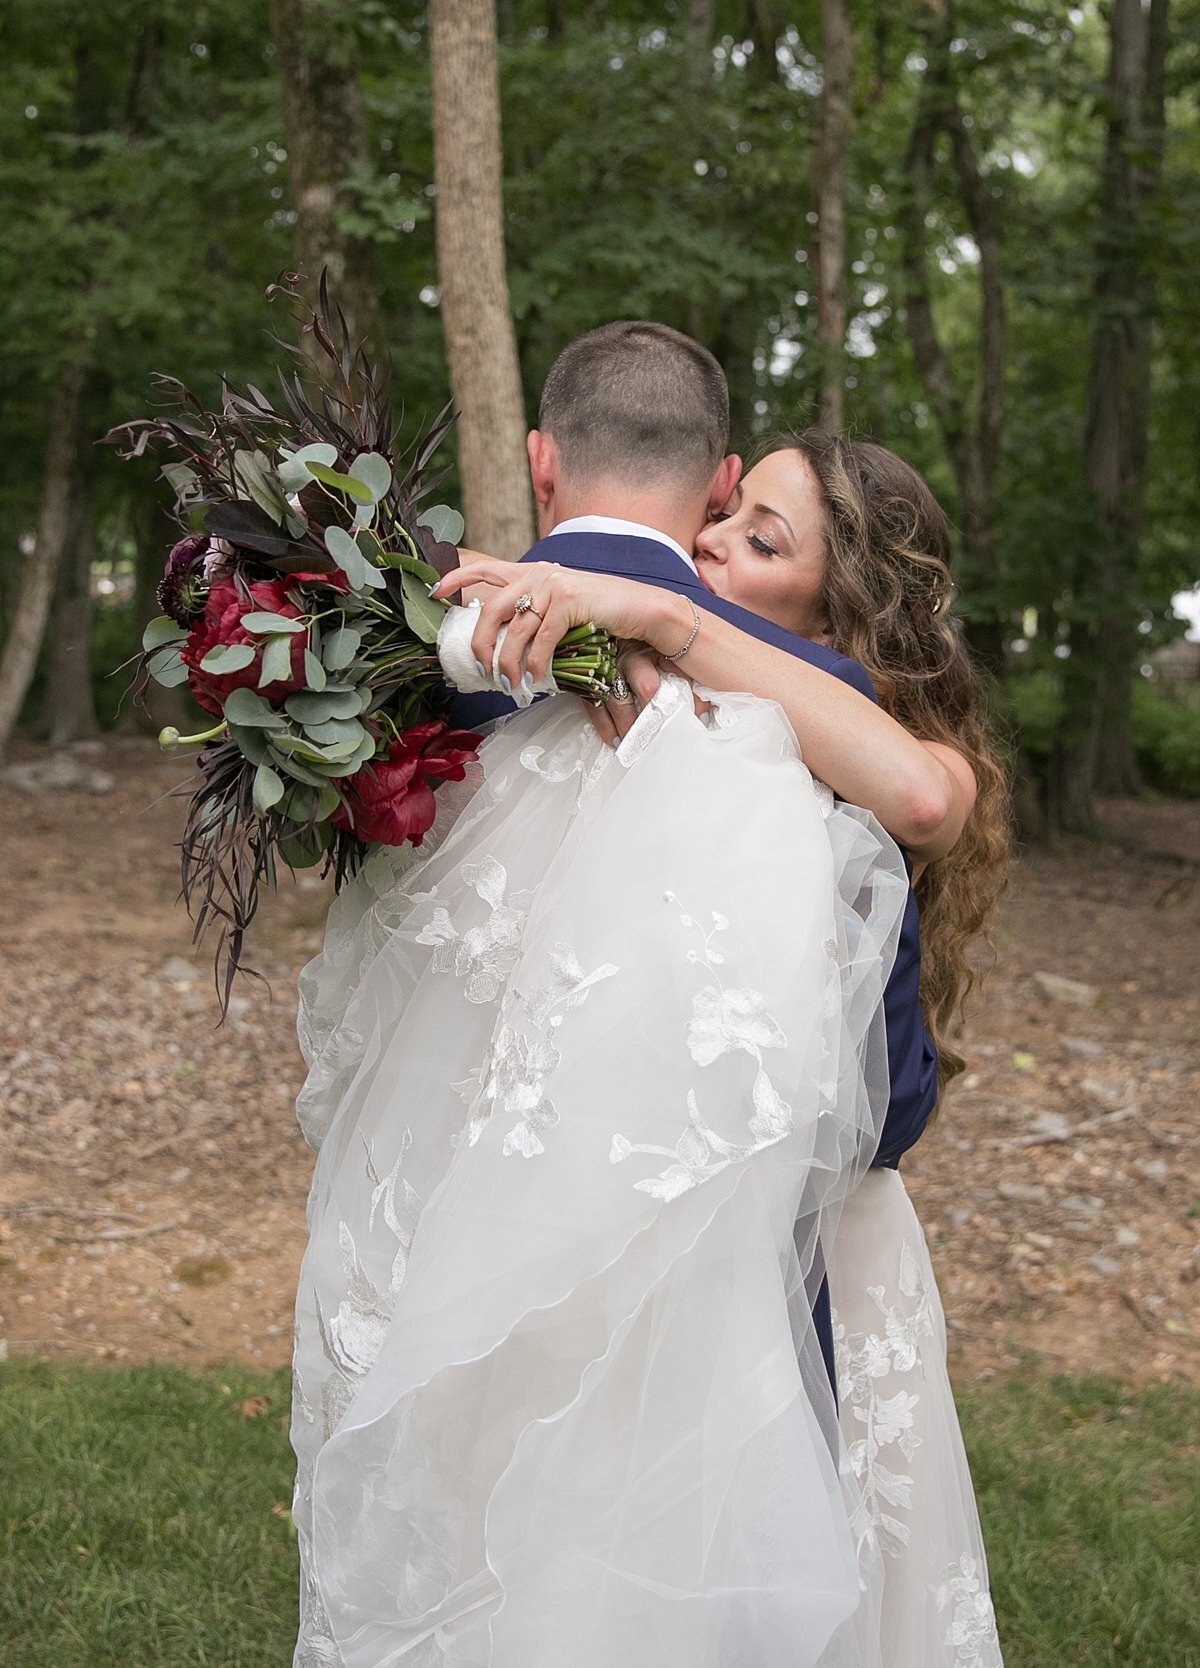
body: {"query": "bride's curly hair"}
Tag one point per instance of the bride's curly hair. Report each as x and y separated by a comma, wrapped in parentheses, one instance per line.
(887, 594)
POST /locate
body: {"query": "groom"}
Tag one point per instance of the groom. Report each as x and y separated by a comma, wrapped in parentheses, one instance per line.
(628, 462)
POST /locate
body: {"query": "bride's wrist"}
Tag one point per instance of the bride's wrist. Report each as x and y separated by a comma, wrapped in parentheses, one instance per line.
(673, 623)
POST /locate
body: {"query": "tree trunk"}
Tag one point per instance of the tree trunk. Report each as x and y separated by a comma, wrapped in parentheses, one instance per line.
(1096, 749)
(972, 438)
(70, 705)
(40, 569)
(698, 40)
(833, 143)
(481, 347)
(326, 137)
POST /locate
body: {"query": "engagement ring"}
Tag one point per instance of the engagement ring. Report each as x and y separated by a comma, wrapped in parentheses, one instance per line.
(524, 605)
(621, 692)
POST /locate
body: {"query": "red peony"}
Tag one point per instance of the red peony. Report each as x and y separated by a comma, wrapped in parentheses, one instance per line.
(390, 801)
(223, 610)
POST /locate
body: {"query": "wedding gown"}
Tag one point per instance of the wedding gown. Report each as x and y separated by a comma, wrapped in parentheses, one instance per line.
(590, 1080)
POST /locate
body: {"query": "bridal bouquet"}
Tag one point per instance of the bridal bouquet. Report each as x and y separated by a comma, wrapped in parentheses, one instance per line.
(297, 611)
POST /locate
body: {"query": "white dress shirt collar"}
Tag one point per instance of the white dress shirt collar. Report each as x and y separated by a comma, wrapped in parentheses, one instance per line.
(625, 529)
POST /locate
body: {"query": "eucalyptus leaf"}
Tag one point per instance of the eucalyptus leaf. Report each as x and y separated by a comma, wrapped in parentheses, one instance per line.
(340, 647)
(375, 473)
(310, 708)
(243, 706)
(253, 474)
(298, 746)
(264, 622)
(167, 668)
(300, 770)
(423, 614)
(162, 630)
(181, 478)
(314, 672)
(293, 469)
(419, 569)
(228, 657)
(335, 731)
(368, 543)
(253, 743)
(268, 788)
(276, 661)
(446, 524)
(346, 484)
(349, 558)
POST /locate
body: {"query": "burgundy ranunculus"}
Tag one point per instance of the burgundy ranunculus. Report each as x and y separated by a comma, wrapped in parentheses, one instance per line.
(183, 588)
(390, 801)
(223, 612)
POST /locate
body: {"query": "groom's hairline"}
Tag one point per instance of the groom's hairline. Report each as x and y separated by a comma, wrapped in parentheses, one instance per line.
(615, 398)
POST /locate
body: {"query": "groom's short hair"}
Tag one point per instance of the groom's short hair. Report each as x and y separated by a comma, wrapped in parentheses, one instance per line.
(637, 402)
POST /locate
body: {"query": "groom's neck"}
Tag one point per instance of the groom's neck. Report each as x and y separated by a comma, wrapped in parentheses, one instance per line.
(665, 513)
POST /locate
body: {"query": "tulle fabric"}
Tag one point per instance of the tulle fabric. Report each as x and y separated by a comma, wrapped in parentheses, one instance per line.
(902, 1434)
(584, 1080)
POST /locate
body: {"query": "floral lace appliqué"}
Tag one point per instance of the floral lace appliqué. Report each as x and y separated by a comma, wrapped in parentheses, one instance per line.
(485, 955)
(524, 1053)
(972, 1630)
(723, 1021)
(863, 1359)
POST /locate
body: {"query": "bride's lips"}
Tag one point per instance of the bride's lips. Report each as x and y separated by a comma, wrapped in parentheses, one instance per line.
(703, 580)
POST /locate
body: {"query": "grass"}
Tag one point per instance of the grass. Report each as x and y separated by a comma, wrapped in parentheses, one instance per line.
(140, 1522)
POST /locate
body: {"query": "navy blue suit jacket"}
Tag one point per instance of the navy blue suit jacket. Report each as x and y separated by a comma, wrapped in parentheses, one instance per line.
(912, 1062)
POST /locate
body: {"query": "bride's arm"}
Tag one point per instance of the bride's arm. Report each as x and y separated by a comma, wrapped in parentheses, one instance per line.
(922, 792)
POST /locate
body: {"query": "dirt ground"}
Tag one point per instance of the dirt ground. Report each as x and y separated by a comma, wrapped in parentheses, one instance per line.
(153, 1181)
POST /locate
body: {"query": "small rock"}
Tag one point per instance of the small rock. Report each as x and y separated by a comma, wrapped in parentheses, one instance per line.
(1082, 1204)
(1082, 1045)
(1052, 1125)
(959, 1216)
(1065, 990)
(177, 971)
(1105, 1265)
(1154, 1169)
(1128, 1237)
(58, 772)
(1024, 1193)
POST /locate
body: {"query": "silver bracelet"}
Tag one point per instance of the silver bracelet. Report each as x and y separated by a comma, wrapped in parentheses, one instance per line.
(679, 653)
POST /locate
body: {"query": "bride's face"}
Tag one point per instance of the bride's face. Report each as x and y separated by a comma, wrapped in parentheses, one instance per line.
(766, 550)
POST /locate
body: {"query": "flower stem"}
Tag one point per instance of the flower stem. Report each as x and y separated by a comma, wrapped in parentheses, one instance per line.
(170, 738)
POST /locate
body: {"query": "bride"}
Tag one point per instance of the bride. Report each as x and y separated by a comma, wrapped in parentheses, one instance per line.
(586, 1080)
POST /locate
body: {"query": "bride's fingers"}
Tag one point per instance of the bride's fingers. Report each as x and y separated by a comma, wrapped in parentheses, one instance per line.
(486, 572)
(601, 721)
(639, 668)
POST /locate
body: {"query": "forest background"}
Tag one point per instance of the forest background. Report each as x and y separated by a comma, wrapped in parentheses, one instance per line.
(967, 228)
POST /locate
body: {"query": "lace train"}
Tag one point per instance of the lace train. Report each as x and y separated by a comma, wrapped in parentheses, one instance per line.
(583, 1080)
(902, 1434)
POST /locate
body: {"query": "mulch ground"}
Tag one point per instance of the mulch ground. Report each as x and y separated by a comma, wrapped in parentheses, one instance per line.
(153, 1181)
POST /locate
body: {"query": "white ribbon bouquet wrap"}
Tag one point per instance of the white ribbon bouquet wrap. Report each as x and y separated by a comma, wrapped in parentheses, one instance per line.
(588, 1081)
(462, 669)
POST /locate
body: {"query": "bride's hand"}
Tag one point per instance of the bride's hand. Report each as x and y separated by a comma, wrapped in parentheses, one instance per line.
(560, 598)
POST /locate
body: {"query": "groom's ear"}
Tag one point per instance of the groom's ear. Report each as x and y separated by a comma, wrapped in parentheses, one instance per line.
(543, 465)
(728, 474)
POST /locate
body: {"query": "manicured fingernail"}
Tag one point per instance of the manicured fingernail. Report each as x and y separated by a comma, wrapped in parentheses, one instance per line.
(430, 589)
(481, 668)
(504, 683)
(615, 742)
